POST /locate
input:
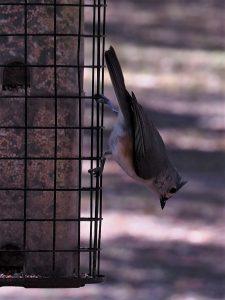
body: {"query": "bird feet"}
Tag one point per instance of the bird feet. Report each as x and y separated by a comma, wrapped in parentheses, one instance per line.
(104, 100)
(96, 172)
(99, 170)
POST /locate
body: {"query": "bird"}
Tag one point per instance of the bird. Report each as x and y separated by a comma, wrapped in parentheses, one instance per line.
(135, 143)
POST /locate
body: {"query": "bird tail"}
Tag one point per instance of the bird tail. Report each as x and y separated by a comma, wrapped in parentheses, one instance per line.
(117, 79)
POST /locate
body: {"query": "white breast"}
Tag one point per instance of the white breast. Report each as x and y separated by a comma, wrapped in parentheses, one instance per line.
(121, 146)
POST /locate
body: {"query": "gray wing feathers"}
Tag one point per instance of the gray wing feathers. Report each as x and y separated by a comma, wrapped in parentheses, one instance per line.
(150, 155)
(138, 125)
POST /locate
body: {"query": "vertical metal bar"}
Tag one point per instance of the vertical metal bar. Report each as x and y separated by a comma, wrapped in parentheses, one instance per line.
(25, 130)
(101, 137)
(98, 77)
(55, 141)
(79, 72)
(92, 136)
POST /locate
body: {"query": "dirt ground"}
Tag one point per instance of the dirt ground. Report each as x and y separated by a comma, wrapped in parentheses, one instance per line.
(172, 53)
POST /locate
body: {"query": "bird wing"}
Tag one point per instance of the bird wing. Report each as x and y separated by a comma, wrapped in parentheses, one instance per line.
(149, 155)
(117, 79)
(149, 150)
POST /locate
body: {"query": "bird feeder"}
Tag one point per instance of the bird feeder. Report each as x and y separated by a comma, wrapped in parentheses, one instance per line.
(51, 131)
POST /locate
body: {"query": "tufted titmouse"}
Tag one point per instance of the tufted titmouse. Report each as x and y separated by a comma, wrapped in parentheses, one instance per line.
(135, 143)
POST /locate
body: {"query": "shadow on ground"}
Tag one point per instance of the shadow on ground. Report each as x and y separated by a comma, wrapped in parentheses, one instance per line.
(196, 24)
(173, 267)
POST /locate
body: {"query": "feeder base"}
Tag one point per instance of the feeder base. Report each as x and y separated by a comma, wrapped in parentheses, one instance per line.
(54, 282)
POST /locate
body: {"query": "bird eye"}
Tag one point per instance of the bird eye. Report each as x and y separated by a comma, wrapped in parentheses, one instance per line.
(173, 190)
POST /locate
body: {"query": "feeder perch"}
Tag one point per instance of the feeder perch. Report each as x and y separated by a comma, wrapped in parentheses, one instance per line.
(51, 133)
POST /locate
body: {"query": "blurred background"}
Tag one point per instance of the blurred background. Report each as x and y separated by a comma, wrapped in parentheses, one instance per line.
(172, 53)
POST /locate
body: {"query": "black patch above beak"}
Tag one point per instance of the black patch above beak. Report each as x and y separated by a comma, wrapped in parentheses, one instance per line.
(163, 201)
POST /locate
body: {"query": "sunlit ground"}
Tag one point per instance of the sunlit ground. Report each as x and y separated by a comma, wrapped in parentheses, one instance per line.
(174, 60)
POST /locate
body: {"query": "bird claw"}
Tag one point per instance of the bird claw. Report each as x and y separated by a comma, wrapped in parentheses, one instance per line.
(104, 100)
(101, 99)
(96, 172)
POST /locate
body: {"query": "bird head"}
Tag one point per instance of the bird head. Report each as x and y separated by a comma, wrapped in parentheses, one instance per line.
(170, 191)
(167, 184)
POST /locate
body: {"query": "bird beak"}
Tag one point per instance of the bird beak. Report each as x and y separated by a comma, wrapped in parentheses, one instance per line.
(163, 201)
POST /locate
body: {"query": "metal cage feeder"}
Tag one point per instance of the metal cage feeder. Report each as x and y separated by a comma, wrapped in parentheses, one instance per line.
(51, 133)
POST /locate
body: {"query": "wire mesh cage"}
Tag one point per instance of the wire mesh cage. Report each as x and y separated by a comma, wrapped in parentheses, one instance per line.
(51, 134)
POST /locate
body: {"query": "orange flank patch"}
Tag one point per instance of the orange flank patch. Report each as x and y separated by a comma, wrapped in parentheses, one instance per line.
(126, 146)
